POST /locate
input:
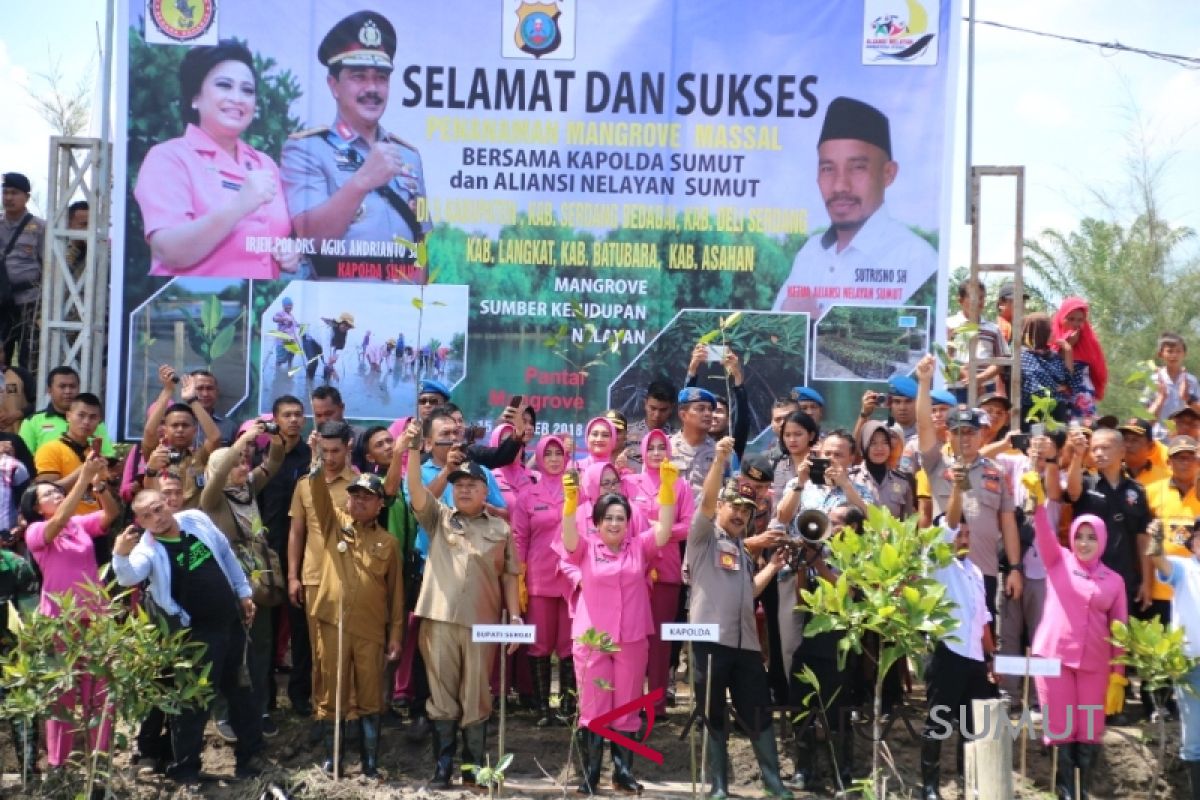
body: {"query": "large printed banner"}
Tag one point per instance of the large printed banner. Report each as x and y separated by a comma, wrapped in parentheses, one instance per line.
(548, 199)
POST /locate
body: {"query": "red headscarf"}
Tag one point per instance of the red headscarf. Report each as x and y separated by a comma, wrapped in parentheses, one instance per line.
(1087, 349)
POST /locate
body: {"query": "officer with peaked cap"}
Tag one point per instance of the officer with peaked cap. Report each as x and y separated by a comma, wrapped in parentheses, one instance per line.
(353, 179)
(865, 257)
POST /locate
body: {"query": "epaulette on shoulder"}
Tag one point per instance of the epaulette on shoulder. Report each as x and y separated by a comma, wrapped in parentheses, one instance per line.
(307, 132)
(391, 137)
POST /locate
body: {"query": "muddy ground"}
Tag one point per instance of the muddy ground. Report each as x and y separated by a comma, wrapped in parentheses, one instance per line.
(539, 756)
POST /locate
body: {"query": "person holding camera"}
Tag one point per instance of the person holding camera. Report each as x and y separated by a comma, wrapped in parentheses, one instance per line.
(197, 583)
(228, 498)
(177, 448)
(61, 542)
(808, 563)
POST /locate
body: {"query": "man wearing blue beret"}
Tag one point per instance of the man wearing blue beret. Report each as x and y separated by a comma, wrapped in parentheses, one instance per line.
(692, 448)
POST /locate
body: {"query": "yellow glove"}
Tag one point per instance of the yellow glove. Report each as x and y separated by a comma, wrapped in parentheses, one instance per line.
(1114, 700)
(522, 592)
(570, 484)
(668, 473)
(1033, 486)
(654, 576)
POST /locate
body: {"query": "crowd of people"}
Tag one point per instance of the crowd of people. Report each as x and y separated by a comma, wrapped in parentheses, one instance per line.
(369, 554)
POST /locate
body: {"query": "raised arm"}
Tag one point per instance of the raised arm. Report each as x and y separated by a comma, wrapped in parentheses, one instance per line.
(1045, 539)
(169, 380)
(570, 533)
(668, 474)
(926, 434)
(711, 488)
(91, 468)
(418, 496)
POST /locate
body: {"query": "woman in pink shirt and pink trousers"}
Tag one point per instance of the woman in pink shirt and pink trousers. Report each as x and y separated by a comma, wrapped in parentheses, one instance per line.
(614, 566)
(1083, 597)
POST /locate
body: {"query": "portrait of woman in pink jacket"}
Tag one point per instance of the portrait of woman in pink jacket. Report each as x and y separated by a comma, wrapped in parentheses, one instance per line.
(668, 571)
(536, 519)
(1083, 597)
(600, 439)
(614, 600)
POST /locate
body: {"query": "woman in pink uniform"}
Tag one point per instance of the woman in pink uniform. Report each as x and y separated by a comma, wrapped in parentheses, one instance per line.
(61, 544)
(614, 600)
(1083, 597)
(205, 196)
(600, 438)
(536, 519)
(668, 571)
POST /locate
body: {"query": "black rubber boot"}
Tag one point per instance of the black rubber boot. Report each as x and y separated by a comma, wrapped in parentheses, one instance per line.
(445, 739)
(1194, 774)
(592, 746)
(718, 765)
(622, 758)
(1064, 778)
(474, 749)
(540, 667)
(845, 767)
(806, 777)
(931, 769)
(370, 746)
(1086, 756)
(767, 755)
(327, 764)
(568, 696)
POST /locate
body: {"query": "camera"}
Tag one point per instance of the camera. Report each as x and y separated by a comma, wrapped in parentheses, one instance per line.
(271, 427)
(881, 399)
(175, 457)
(816, 470)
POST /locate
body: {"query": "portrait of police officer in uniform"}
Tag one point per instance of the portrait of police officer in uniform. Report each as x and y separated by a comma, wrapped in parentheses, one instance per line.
(354, 180)
(864, 248)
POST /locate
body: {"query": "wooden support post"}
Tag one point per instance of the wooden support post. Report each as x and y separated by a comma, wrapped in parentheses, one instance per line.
(989, 773)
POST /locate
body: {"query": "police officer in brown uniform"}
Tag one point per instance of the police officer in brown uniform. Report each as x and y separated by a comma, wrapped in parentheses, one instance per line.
(471, 558)
(987, 505)
(361, 584)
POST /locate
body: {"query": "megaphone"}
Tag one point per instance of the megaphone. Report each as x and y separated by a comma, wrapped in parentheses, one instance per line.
(812, 526)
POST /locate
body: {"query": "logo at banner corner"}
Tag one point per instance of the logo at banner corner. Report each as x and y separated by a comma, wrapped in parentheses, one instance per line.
(182, 20)
(900, 32)
(541, 30)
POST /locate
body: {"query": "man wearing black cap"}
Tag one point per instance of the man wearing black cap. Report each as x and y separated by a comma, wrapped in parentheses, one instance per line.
(359, 606)
(354, 180)
(470, 576)
(864, 248)
(22, 238)
(1005, 309)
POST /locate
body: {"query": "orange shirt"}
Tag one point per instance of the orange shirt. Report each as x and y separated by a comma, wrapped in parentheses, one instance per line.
(1177, 513)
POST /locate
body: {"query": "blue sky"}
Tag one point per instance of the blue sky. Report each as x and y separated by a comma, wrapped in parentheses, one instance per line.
(1066, 111)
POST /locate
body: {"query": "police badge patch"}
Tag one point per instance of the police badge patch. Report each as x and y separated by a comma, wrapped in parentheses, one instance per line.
(539, 29)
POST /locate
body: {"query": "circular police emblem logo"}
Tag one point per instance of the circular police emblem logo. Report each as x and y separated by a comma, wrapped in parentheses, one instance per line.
(183, 20)
(537, 28)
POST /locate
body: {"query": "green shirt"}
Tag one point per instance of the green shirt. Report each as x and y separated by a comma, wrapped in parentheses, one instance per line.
(48, 425)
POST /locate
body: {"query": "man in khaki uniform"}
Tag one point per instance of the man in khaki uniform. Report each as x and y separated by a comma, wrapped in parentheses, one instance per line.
(330, 442)
(361, 584)
(470, 557)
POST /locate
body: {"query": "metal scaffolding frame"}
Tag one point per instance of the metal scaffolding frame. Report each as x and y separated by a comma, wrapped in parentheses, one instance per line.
(1015, 269)
(75, 287)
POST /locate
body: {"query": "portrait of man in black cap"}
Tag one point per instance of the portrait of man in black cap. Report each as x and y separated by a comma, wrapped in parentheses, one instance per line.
(353, 179)
(877, 258)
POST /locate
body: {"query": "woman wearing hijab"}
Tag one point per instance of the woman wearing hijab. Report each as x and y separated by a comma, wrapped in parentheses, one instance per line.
(600, 438)
(894, 490)
(60, 542)
(203, 195)
(229, 495)
(1049, 369)
(668, 570)
(1083, 597)
(1072, 327)
(614, 602)
(537, 524)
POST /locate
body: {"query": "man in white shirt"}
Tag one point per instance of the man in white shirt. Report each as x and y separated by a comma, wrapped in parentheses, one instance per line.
(1182, 574)
(865, 257)
(958, 671)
